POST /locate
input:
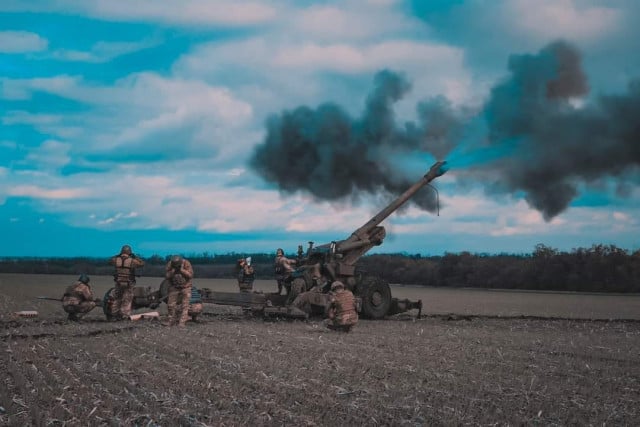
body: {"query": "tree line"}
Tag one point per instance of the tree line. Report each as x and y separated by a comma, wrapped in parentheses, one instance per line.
(600, 268)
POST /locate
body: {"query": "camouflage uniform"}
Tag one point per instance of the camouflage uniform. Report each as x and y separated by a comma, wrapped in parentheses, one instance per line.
(341, 309)
(283, 268)
(180, 282)
(125, 278)
(246, 276)
(78, 300)
(306, 300)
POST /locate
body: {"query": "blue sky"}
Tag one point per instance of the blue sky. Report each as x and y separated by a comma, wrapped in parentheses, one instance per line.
(178, 126)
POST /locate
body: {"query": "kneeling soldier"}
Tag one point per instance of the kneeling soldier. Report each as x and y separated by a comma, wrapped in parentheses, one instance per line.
(341, 310)
(78, 299)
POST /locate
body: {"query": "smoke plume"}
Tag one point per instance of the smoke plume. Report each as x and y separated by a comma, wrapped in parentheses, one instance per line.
(333, 156)
(548, 144)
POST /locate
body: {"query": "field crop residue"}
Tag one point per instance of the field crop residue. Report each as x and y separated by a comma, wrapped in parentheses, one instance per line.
(229, 369)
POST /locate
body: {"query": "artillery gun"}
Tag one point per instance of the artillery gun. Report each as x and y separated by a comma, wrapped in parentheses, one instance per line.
(323, 264)
(337, 260)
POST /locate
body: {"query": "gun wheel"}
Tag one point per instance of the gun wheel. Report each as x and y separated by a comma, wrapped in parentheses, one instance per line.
(376, 297)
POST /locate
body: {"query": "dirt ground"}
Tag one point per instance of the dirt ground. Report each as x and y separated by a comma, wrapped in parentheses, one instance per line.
(467, 367)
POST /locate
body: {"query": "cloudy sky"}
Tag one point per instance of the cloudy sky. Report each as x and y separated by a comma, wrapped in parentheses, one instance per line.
(243, 126)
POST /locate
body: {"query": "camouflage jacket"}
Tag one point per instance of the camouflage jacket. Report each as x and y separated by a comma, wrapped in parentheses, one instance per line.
(246, 274)
(283, 266)
(77, 292)
(180, 277)
(125, 268)
(342, 308)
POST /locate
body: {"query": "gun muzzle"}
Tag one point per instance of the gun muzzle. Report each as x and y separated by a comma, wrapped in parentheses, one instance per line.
(438, 169)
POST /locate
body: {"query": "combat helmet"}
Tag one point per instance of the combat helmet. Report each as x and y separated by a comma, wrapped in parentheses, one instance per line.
(84, 279)
(176, 261)
(337, 285)
(126, 250)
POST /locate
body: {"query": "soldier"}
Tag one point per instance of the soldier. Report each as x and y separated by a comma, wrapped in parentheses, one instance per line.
(78, 299)
(180, 275)
(283, 268)
(246, 275)
(125, 277)
(341, 309)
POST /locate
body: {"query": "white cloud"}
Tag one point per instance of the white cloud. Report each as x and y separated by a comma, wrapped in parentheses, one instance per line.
(184, 12)
(50, 154)
(143, 108)
(38, 192)
(103, 51)
(21, 42)
(347, 20)
(549, 19)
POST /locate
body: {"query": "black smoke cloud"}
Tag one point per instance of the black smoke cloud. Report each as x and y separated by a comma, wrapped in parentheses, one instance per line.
(553, 146)
(332, 156)
(549, 146)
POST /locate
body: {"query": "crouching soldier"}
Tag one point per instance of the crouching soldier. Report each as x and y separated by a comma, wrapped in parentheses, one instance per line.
(246, 275)
(179, 273)
(78, 299)
(341, 309)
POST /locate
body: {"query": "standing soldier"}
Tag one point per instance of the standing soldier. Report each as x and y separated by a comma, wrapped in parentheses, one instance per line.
(283, 268)
(180, 276)
(342, 308)
(125, 277)
(78, 299)
(246, 275)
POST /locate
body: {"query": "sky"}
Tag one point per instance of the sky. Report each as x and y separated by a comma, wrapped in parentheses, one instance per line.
(203, 126)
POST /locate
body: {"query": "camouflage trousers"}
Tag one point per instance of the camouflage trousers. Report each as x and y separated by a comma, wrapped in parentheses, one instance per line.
(77, 309)
(123, 295)
(283, 284)
(178, 305)
(245, 287)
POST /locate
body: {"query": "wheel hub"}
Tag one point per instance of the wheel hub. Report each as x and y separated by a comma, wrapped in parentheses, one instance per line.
(376, 298)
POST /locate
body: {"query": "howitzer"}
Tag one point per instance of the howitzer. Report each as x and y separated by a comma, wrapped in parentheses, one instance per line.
(337, 260)
(321, 265)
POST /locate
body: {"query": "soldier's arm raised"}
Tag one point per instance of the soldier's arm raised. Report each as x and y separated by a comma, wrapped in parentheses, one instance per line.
(86, 293)
(186, 269)
(137, 261)
(169, 271)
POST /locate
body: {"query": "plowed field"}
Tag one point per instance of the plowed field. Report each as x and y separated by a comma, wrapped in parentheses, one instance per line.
(473, 366)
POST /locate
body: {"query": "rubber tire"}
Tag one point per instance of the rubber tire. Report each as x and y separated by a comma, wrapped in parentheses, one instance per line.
(164, 290)
(105, 298)
(367, 289)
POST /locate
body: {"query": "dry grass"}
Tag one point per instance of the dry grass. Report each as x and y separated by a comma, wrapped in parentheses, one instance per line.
(231, 370)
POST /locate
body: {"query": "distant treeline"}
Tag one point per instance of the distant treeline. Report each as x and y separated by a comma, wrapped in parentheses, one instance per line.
(601, 268)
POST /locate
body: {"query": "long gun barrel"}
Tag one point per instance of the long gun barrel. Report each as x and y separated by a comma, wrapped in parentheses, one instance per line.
(50, 298)
(98, 301)
(362, 233)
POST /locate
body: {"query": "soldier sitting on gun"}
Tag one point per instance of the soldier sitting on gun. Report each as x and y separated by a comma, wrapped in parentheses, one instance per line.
(78, 299)
(341, 309)
(246, 275)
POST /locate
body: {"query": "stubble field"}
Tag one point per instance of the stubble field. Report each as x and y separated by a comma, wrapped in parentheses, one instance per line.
(477, 357)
